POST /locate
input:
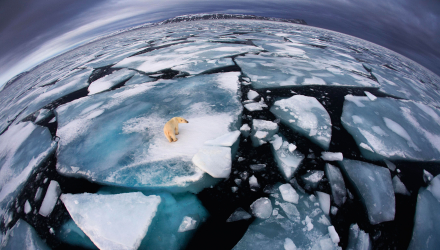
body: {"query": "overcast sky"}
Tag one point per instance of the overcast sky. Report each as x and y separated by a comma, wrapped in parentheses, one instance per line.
(32, 31)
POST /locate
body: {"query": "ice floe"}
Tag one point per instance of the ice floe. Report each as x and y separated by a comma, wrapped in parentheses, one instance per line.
(109, 81)
(262, 131)
(50, 199)
(118, 221)
(287, 159)
(337, 184)
(305, 115)
(427, 220)
(393, 129)
(239, 214)
(358, 239)
(375, 188)
(117, 137)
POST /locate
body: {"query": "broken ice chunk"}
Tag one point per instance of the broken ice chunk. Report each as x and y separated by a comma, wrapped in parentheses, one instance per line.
(312, 178)
(262, 208)
(374, 185)
(427, 176)
(370, 96)
(434, 187)
(390, 165)
(214, 160)
(199, 67)
(324, 201)
(187, 224)
(426, 221)
(399, 187)
(287, 160)
(109, 81)
(262, 131)
(333, 234)
(27, 207)
(23, 236)
(289, 245)
(288, 193)
(117, 221)
(245, 130)
(257, 167)
(43, 115)
(393, 129)
(331, 156)
(239, 214)
(337, 183)
(358, 239)
(51, 198)
(252, 94)
(307, 116)
(253, 183)
(255, 106)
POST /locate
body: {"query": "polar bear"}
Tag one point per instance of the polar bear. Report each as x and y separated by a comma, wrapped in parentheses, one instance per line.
(171, 128)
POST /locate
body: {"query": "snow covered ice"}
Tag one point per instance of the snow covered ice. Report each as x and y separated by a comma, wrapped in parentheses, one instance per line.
(393, 129)
(137, 114)
(109, 81)
(337, 184)
(262, 131)
(117, 221)
(307, 116)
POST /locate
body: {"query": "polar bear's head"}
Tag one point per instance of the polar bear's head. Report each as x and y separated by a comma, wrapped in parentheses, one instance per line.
(181, 120)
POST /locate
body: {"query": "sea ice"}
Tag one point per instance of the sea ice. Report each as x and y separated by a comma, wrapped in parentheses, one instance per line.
(43, 115)
(183, 54)
(306, 116)
(253, 183)
(23, 236)
(214, 160)
(262, 208)
(426, 229)
(252, 94)
(27, 207)
(375, 188)
(427, 176)
(109, 81)
(117, 221)
(239, 214)
(198, 67)
(393, 129)
(267, 71)
(331, 156)
(23, 148)
(313, 178)
(245, 130)
(262, 131)
(337, 184)
(116, 137)
(288, 193)
(358, 239)
(333, 234)
(291, 221)
(50, 199)
(324, 201)
(187, 224)
(399, 187)
(287, 160)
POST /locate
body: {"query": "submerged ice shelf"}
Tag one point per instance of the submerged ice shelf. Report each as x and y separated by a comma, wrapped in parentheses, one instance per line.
(264, 105)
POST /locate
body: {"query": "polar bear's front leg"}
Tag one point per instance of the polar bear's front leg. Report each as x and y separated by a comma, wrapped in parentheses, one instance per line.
(177, 129)
(173, 137)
